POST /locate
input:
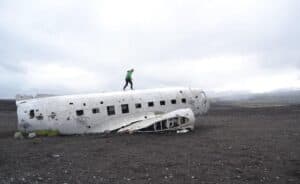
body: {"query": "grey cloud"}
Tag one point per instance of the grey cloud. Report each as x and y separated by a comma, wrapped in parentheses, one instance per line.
(76, 34)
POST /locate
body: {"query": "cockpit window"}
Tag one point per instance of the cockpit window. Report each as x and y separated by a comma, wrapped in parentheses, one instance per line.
(79, 112)
(138, 105)
(95, 110)
(111, 110)
(150, 104)
(125, 108)
(31, 114)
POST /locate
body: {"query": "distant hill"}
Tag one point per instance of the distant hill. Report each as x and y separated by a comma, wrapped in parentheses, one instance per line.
(280, 97)
(284, 97)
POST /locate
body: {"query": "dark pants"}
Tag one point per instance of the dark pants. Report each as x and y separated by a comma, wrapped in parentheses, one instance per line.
(128, 81)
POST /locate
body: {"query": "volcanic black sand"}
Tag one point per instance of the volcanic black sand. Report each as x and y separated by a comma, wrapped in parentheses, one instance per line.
(229, 145)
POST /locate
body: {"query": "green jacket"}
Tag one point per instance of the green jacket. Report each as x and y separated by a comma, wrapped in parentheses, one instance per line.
(129, 75)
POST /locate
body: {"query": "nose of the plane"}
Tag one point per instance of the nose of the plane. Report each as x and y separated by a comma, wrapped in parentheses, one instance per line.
(201, 101)
(206, 105)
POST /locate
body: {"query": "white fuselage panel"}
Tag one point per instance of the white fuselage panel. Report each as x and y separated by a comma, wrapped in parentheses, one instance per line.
(96, 113)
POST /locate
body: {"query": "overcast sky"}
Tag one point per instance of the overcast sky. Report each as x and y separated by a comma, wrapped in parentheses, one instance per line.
(70, 46)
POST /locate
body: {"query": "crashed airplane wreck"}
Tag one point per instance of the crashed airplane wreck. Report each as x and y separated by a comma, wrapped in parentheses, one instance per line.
(151, 110)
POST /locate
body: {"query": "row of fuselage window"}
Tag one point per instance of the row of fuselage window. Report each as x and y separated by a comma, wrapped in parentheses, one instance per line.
(125, 107)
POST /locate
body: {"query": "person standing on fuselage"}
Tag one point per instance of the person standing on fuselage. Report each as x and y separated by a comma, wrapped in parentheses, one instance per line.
(128, 79)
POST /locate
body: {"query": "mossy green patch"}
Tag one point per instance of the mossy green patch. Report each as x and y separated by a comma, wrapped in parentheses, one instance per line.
(49, 133)
(53, 133)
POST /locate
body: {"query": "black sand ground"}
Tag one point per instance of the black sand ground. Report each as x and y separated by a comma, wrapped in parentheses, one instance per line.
(229, 145)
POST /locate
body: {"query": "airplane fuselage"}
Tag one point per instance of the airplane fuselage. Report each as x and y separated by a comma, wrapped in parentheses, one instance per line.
(101, 112)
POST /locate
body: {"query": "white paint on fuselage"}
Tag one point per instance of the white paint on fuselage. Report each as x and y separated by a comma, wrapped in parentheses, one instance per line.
(59, 112)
